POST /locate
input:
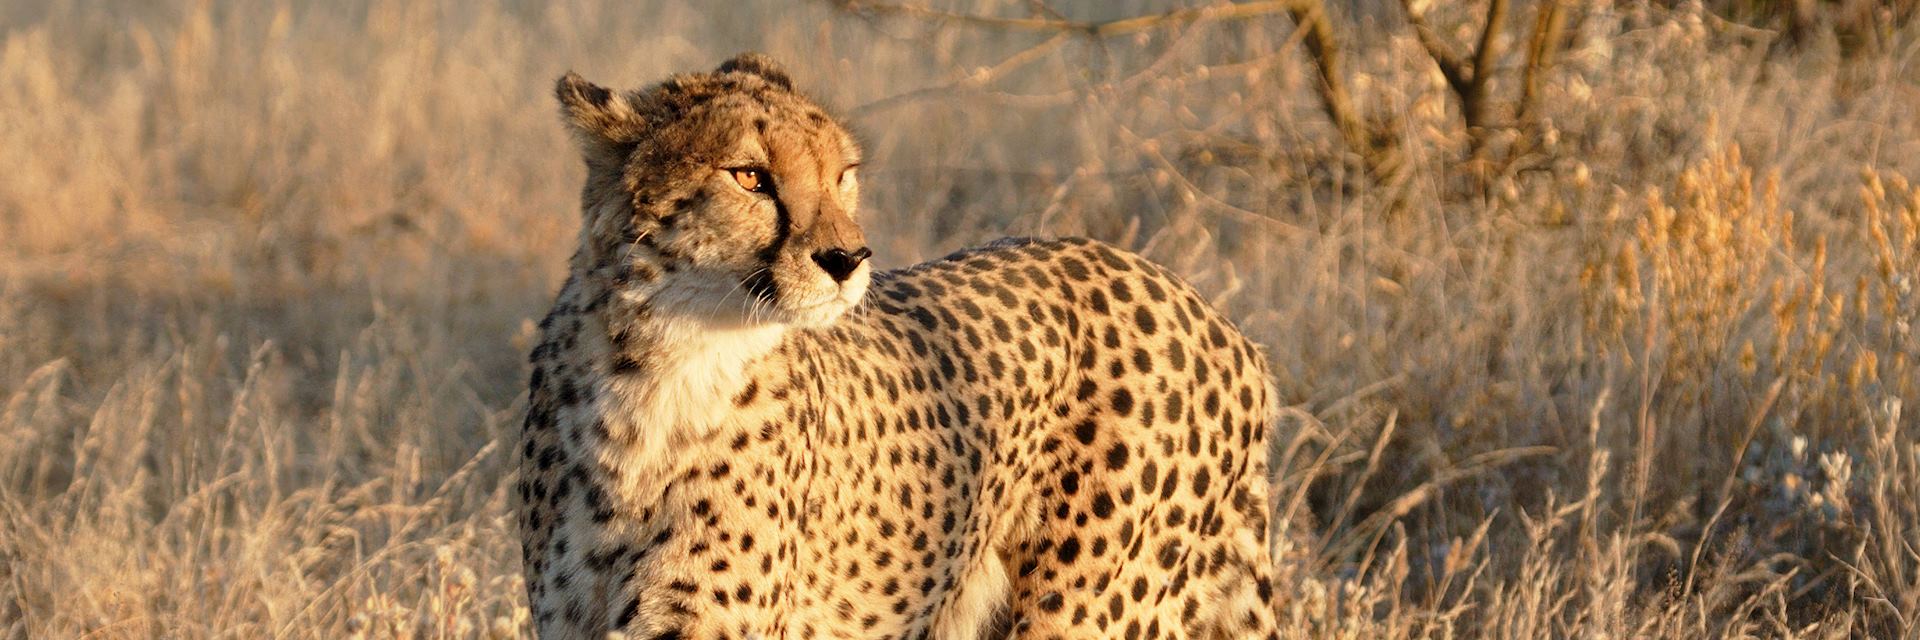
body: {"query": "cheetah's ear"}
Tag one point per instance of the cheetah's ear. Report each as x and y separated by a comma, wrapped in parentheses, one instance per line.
(760, 65)
(603, 122)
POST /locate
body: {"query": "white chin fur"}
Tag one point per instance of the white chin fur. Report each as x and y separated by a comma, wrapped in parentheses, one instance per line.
(825, 301)
(718, 301)
(818, 315)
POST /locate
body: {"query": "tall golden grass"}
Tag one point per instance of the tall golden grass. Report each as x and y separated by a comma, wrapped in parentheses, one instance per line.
(1637, 369)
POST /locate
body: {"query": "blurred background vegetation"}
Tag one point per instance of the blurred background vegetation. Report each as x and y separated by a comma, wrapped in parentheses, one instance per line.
(1597, 322)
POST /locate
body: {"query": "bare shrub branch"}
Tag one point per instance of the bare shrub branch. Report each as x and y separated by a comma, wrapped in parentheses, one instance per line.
(1468, 79)
(1483, 60)
(1452, 66)
(1549, 22)
(1095, 29)
(1310, 16)
(1360, 136)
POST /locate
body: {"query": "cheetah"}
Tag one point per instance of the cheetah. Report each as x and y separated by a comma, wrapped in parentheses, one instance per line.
(738, 429)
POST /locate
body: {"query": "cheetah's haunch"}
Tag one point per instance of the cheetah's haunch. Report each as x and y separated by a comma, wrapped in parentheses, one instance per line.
(1052, 437)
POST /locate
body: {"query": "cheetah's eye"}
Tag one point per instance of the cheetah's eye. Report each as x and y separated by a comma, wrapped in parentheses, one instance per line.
(754, 180)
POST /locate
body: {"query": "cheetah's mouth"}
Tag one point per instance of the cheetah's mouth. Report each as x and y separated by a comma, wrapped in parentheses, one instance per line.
(825, 309)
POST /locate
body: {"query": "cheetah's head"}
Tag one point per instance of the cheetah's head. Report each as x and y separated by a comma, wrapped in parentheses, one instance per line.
(726, 197)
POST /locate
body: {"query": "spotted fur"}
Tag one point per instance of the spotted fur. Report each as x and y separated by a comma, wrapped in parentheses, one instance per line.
(1043, 438)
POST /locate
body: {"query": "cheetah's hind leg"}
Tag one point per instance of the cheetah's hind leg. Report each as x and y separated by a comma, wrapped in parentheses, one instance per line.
(1245, 603)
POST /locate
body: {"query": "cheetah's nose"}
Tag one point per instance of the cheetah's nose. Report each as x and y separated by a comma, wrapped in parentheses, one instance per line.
(839, 263)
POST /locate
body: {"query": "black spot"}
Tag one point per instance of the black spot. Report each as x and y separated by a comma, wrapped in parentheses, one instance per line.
(627, 614)
(1085, 431)
(1074, 269)
(1144, 319)
(972, 310)
(1169, 554)
(681, 204)
(1086, 390)
(597, 502)
(623, 365)
(1117, 456)
(924, 317)
(1068, 551)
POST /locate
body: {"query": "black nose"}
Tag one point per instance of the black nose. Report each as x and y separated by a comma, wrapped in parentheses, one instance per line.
(839, 264)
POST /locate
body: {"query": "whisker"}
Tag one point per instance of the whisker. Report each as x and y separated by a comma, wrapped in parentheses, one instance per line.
(737, 285)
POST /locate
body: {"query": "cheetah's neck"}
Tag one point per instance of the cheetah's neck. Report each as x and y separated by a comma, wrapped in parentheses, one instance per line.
(670, 383)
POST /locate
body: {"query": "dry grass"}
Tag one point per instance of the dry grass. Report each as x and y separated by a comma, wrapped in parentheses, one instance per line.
(1635, 369)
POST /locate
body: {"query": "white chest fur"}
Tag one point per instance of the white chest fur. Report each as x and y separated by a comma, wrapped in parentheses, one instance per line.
(683, 392)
